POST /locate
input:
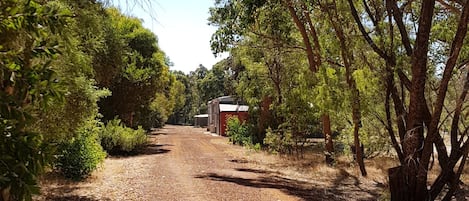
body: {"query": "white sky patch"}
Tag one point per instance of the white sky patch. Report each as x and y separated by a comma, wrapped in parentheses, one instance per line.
(182, 29)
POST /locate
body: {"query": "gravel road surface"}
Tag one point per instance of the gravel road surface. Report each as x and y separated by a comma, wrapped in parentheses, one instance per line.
(181, 163)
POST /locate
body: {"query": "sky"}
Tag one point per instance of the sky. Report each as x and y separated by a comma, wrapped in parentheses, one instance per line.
(182, 30)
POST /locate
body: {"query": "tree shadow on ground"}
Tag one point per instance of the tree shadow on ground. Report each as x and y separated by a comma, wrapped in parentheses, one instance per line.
(153, 149)
(65, 192)
(301, 189)
(150, 149)
(158, 132)
(238, 161)
(74, 198)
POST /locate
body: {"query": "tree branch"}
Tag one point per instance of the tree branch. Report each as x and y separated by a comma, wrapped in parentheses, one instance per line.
(442, 89)
(368, 11)
(449, 7)
(400, 24)
(313, 66)
(404, 79)
(457, 112)
(368, 39)
(314, 35)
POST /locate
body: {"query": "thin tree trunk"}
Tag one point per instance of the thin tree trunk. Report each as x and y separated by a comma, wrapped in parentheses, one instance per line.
(355, 98)
(313, 65)
(356, 127)
(326, 128)
(314, 61)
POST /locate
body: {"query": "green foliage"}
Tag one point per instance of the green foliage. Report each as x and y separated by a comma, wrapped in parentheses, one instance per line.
(117, 138)
(81, 155)
(23, 156)
(56, 58)
(278, 141)
(134, 69)
(199, 87)
(28, 45)
(238, 132)
(184, 110)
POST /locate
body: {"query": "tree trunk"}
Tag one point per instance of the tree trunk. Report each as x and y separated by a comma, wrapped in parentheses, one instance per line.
(313, 65)
(5, 194)
(326, 129)
(356, 127)
(314, 61)
(397, 184)
(347, 58)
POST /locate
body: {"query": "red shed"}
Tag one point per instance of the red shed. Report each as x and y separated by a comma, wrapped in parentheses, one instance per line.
(220, 109)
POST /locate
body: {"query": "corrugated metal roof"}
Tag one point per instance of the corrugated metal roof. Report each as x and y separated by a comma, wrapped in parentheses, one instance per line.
(201, 115)
(233, 108)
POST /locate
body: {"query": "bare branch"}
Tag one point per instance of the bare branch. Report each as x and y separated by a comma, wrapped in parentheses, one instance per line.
(368, 39)
(457, 112)
(449, 7)
(368, 11)
(389, 127)
(400, 24)
(314, 35)
(404, 79)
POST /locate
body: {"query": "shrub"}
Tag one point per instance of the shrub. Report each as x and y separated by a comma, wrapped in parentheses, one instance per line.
(238, 132)
(81, 155)
(278, 140)
(116, 138)
(23, 156)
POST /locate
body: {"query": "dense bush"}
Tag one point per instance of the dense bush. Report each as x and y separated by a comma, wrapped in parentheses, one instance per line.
(82, 154)
(117, 138)
(237, 132)
(23, 156)
(278, 140)
(284, 140)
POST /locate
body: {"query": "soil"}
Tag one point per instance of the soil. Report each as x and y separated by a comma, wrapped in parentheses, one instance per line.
(185, 163)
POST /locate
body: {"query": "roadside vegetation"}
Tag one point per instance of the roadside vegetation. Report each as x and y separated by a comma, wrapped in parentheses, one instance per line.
(75, 77)
(80, 80)
(372, 78)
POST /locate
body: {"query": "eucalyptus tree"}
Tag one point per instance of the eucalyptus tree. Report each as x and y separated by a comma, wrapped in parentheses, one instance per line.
(47, 90)
(51, 79)
(240, 20)
(424, 44)
(139, 72)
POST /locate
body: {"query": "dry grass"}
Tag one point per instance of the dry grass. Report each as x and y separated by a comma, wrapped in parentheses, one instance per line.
(345, 173)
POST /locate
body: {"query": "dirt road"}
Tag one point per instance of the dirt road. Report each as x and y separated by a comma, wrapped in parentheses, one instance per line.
(181, 163)
(186, 164)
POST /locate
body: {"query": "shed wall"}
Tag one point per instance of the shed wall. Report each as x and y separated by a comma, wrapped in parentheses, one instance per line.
(242, 116)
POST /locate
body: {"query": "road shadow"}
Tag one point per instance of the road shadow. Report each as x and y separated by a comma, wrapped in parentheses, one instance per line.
(74, 198)
(157, 132)
(150, 149)
(238, 161)
(64, 190)
(253, 170)
(298, 188)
